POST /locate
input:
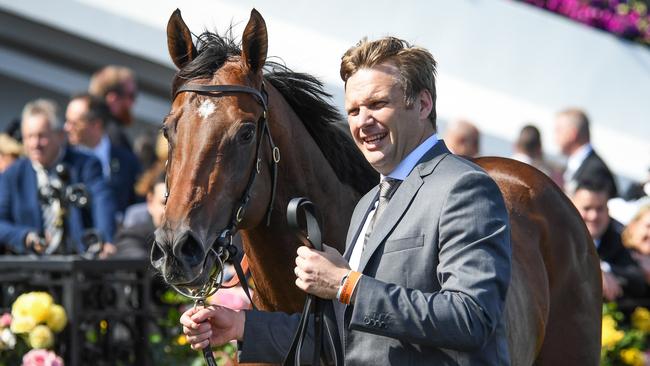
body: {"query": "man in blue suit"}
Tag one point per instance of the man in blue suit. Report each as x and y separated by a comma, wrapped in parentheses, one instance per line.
(26, 222)
(86, 118)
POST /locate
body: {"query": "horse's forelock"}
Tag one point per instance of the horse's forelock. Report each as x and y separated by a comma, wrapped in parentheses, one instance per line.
(213, 52)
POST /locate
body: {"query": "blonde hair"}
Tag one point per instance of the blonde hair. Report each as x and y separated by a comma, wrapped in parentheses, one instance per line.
(162, 148)
(9, 146)
(416, 65)
(44, 107)
(626, 236)
(110, 79)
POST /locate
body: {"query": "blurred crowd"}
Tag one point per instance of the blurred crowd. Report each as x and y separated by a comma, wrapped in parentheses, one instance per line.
(617, 221)
(76, 185)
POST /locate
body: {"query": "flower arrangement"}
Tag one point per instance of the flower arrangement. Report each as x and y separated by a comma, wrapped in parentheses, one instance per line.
(624, 344)
(32, 323)
(628, 19)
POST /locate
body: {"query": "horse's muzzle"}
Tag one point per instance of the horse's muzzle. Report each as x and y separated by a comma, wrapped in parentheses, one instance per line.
(180, 257)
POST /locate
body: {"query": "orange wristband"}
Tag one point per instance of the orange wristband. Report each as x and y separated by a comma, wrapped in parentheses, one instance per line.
(348, 287)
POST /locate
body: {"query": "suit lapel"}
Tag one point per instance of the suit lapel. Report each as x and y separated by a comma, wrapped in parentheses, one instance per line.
(32, 194)
(401, 200)
(584, 164)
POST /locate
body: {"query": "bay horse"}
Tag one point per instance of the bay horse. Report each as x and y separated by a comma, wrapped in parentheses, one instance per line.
(238, 155)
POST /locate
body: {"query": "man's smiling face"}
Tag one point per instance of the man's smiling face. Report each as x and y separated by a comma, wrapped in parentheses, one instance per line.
(382, 126)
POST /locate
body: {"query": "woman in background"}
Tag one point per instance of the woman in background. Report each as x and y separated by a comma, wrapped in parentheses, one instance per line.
(10, 150)
(636, 237)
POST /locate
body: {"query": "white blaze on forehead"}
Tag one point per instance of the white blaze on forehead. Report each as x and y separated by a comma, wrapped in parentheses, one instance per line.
(206, 108)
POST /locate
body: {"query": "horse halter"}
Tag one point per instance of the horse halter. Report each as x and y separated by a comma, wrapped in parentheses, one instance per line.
(222, 246)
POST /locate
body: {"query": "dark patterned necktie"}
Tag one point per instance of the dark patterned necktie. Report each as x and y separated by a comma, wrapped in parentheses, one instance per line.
(51, 210)
(387, 188)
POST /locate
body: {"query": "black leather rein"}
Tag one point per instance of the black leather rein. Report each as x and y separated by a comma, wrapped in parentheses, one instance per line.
(325, 331)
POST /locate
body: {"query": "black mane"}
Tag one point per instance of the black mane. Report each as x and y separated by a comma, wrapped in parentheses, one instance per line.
(305, 95)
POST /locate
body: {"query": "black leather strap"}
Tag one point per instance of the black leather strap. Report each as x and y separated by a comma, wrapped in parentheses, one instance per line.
(325, 332)
(200, 88)
(242, 278)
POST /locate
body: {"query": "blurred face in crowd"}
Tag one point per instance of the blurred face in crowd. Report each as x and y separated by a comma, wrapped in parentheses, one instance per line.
(382, 126)
(156, 203)
(565, 134)
(640, 233)
(80, 130)
(593, 209)
(121, 103)
(41, 143)
(462, 138)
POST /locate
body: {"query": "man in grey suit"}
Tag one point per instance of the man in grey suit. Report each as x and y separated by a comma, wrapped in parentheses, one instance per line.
(425, 273)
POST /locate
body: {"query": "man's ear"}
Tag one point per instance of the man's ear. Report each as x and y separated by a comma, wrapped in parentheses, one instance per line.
(426, 104)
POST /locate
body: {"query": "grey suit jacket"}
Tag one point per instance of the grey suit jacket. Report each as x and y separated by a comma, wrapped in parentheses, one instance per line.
(436, 272)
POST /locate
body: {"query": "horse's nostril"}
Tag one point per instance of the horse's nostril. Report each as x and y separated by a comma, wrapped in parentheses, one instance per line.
(158, 255)
(189, 250)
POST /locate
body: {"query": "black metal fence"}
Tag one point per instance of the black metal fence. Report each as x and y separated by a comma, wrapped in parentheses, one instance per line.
(108, 303)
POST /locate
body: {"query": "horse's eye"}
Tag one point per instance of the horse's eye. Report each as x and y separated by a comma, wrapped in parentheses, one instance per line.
(246, 134)
(165, 133)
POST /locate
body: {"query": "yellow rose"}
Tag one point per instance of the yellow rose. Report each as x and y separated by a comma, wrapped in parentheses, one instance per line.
(34, 304)
(41, 337)
(641, 319)
(633, 356)
(181, 340)
(22, 324)
(57, 318)
(610, 335)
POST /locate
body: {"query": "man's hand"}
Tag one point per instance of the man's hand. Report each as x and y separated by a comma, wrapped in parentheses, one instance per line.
(213, 325)
(108, 249)
(320, 273)
(35, 242)
(611, 288)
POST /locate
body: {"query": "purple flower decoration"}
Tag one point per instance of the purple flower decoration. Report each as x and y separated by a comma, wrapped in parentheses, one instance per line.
(627, 19)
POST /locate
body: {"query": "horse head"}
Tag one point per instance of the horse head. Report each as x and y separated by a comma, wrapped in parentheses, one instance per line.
(220, 166)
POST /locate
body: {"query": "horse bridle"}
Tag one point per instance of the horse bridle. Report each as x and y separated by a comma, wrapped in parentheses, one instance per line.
(222, 246)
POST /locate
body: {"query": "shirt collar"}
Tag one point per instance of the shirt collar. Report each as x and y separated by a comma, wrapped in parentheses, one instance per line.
(59, 157)
(405, 166)
(576, 159)
(103, 152)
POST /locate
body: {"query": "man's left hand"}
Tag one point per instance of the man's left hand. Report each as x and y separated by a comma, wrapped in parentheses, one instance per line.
(320, 273)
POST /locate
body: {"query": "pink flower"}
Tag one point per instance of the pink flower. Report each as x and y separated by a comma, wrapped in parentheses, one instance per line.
(233, 298)
(5, 320)
(41, 357)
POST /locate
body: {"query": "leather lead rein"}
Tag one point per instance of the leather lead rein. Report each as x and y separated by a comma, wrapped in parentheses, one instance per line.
(325, 332)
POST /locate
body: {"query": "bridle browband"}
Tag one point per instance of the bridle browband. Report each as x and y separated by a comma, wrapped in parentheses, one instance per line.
(222, 246)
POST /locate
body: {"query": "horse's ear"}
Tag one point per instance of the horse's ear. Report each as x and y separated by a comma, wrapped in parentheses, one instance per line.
(179, 41)
(255, 42)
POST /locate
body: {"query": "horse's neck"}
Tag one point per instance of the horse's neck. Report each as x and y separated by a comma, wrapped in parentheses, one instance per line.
(303, 172)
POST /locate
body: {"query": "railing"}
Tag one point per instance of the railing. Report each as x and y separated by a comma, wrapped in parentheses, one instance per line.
(108, 303)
